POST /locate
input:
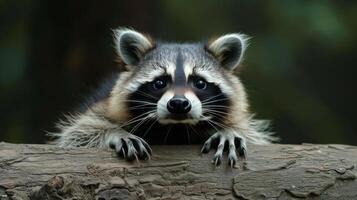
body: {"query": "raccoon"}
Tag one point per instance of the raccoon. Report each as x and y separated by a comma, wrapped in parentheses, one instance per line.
(170, 93)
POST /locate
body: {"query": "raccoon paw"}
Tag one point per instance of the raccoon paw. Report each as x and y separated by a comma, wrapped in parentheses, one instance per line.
(226, 141)
(131, 147)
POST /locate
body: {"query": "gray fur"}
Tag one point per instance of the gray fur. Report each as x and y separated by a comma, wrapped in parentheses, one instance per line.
(101, 125)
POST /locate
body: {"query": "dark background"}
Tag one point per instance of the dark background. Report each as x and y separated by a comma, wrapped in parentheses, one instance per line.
(299, 70)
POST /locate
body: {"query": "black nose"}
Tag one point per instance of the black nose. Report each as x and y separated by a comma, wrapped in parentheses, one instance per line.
(179, 105)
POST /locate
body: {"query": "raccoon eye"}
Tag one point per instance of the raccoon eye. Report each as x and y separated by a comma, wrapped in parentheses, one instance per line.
(159, 84)
(200, 84)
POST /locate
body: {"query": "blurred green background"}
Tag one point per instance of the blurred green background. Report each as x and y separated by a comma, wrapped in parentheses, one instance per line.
(300, 69)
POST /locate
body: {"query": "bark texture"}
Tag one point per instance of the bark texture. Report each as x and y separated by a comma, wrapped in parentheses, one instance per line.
(178, 172)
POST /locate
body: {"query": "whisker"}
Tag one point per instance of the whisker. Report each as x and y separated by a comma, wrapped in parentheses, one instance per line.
(141, 108)
(209, 122)
(167, 134)
(194, 131)
(219, 118)
(216, 106)
(217, 111)
(214, 101)
(212, 97)
(134, 121)
(139, 101)
(147, 131)
(219, 124)
(138, 118)
(139, 124)
(138, 106)
(188, 135)
(146, 94)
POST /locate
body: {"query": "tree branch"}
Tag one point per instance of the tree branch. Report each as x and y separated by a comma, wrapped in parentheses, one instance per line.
(178, 172)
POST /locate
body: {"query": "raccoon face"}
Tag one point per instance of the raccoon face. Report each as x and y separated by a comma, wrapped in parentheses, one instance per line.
(178, 83)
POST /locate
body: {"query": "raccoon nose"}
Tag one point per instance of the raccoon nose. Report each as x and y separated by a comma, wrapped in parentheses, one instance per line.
(179, 105)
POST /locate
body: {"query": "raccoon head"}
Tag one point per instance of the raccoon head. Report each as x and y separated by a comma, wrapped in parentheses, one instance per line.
(177, 83)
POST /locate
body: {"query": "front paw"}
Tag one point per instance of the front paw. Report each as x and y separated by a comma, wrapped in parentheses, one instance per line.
(219, 141)
(130, 147)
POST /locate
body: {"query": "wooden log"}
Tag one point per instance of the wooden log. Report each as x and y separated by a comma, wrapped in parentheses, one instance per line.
(178, 172)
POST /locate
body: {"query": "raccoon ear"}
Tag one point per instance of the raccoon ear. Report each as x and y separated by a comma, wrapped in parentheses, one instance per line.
(228, 49)
(131, 45)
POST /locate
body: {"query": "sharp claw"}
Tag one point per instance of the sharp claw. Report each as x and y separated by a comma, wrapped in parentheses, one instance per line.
(232, 159)
(236, 147)
(136, 157)
(204, 151)
(205, 148)
(217, 160)
(138, 147)
(126, 149)
(131, 150)
(150, 150)
(146, 145)
(131, 147)
(118, 146)
(143, 152)
(123, 151)
(148, 156)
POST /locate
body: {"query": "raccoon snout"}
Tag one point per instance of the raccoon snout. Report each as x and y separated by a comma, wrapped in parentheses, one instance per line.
(179, 105)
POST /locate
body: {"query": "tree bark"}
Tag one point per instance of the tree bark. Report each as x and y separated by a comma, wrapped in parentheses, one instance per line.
(178, 172)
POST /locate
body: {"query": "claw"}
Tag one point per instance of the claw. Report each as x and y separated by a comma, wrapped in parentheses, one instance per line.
(231, 162)
(217, 160)
(122, 148)
(147, 146)
(206, 147)
(119, 145)
(143, 152)
(232, 158)
(119, 148)
(208, 144)
(235, 145)
(130, 147)
(241, 147)
(232, 155)
(123, 153)
(131, 150)
(219, 153)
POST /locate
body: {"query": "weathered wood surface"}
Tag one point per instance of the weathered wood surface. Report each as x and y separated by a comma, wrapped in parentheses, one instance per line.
(178, 172)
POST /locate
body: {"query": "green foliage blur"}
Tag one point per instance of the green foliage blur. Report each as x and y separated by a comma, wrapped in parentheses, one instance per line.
(299, 70)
